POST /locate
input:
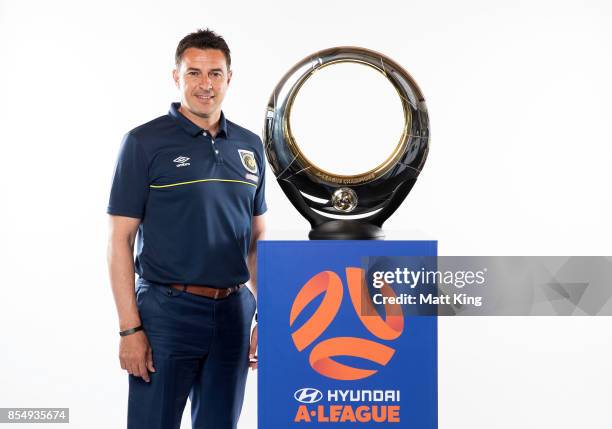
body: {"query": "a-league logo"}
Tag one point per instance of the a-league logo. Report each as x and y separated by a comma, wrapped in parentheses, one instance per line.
(322, 355)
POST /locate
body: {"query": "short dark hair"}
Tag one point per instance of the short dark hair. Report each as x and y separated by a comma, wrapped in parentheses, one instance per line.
(203, 39)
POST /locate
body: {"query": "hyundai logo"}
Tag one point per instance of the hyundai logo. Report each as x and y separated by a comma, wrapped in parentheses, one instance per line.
(308, 395)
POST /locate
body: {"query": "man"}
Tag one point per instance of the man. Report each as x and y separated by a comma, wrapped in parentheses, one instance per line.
(188, 188)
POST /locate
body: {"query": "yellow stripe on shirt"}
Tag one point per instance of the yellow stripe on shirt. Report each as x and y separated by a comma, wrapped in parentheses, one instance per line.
(200, 181)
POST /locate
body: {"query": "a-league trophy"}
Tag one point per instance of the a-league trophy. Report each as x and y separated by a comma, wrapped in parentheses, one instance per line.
(331, 355)
(346, 207)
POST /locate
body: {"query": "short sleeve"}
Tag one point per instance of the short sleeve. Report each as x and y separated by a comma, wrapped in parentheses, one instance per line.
(260, 206)
(130, 187)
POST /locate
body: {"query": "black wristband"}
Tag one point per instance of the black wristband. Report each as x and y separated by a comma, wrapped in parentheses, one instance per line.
(131, 330)
(255, 317)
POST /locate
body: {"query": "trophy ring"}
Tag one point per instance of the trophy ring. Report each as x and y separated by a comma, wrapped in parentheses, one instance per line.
(346, 207)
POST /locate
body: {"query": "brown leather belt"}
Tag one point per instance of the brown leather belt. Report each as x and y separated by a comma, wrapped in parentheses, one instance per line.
(207, 291)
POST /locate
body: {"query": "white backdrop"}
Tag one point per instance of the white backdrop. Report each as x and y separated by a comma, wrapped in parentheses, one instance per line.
(519, 100)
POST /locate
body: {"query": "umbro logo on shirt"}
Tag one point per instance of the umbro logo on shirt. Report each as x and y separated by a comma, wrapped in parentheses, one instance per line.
(181, 161)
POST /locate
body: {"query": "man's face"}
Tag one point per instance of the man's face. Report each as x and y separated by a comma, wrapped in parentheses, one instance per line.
(202, 78)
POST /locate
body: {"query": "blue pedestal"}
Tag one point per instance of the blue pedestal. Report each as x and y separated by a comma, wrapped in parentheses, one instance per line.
(327, 356)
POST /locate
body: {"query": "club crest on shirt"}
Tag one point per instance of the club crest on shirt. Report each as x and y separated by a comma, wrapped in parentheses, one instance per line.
(248, 160)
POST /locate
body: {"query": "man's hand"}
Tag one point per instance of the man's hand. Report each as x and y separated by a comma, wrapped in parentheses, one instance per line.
(134, 351)
(258, 228)
(136, 356)
(253, 349)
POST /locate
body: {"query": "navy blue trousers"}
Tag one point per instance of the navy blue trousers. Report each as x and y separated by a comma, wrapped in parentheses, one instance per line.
(200, 350)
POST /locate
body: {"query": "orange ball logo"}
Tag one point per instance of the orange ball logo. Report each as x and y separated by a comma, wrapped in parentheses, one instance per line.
(323, 353)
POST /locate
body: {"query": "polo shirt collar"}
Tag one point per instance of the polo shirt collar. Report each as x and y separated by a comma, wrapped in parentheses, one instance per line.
(191, 128)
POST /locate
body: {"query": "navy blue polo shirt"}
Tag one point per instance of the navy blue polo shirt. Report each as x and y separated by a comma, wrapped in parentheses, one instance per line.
(195, 195)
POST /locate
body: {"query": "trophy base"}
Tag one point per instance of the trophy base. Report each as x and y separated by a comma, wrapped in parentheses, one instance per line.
(346, 230)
